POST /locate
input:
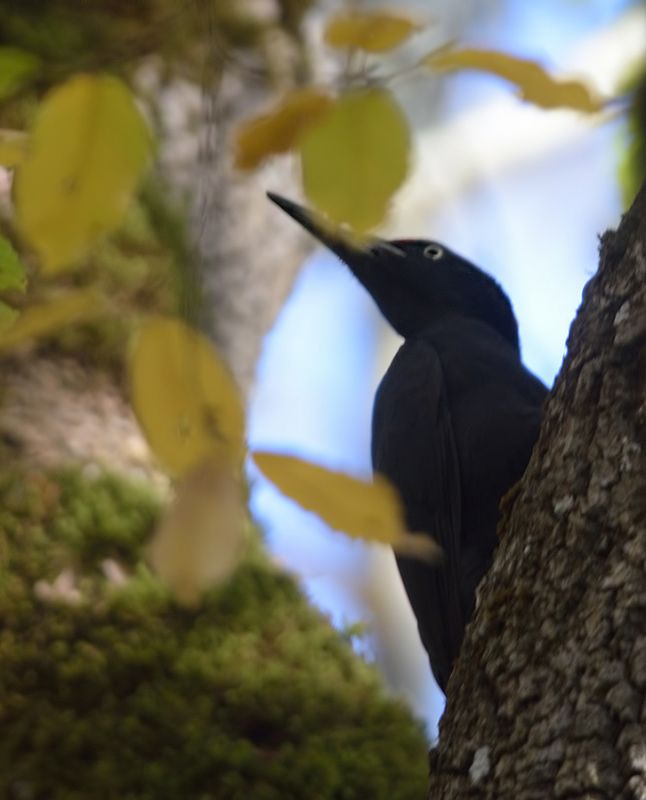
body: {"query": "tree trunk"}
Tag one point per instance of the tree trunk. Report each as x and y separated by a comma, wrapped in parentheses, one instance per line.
(548, 697)
(248, 253)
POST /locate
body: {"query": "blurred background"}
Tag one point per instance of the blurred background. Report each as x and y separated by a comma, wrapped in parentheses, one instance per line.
(524, 194)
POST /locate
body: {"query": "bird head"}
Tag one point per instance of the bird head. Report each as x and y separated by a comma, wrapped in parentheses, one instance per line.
(414, 282)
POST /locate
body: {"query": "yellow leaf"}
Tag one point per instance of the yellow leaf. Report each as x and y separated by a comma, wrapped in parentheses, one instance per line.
(374, 32)
(356, 157)
(184, 396)
(200, 541)
(535, 84)
(88, 149)
(13, 147)
(280, 129)
(362, 509)
(41, 320)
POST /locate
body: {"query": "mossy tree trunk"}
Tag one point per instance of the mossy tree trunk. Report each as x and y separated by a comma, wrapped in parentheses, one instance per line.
(548, 698)
(223, 256)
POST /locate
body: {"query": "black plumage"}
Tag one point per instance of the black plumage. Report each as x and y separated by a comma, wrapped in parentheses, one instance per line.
(455, 417)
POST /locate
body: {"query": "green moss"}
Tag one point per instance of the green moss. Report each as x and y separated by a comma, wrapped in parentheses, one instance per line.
(125, 694)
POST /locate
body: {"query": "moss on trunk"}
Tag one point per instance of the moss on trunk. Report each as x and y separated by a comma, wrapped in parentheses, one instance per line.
(108, 688)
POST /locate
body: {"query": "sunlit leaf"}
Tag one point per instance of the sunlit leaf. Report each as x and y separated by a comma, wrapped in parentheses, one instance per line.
(280, 129)
(374, 32)
(356, 157)
(368, 510)
(184, 396)
(41, 320)
(88, 149)
(12, 272)
(16, 67)
(199, 541)
(534, 83)
(13, 147)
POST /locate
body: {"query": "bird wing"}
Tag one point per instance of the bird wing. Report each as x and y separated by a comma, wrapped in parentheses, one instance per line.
(495, 415)
(496, 428)
(413, 445)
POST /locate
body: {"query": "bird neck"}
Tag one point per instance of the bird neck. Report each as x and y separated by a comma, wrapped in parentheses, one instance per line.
(456, 323)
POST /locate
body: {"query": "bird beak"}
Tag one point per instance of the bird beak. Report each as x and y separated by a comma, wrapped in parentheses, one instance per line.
(370, 260)
(333, 238)
(361, 256)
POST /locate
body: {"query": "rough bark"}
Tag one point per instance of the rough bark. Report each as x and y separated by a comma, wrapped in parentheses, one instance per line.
(548, 698)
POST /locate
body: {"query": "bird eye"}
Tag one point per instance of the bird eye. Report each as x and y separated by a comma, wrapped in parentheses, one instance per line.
(434, 252)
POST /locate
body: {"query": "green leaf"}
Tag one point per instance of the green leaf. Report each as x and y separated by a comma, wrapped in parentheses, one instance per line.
(534, 83)
(16, 67)
(12, 272)
(88, 149)
(356, 157)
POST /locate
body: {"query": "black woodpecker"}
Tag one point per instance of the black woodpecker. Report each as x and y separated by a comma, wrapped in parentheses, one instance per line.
(455, 417)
